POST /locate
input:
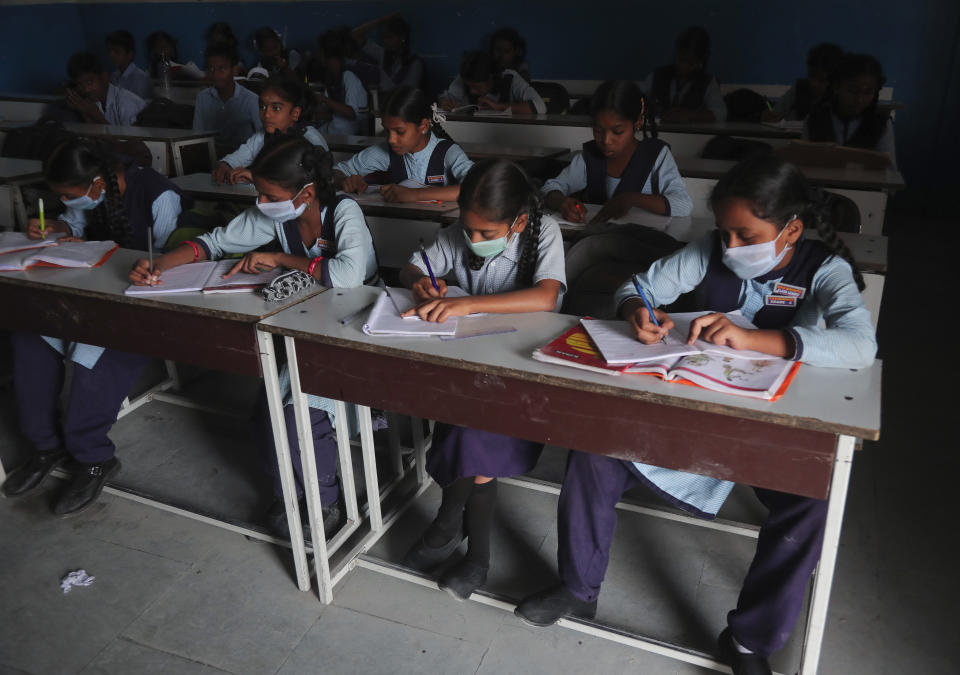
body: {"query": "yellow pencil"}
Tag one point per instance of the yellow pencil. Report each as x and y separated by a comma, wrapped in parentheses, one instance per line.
(43, 224)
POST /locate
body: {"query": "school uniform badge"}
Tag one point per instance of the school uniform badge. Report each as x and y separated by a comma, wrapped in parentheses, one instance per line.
(780, 301)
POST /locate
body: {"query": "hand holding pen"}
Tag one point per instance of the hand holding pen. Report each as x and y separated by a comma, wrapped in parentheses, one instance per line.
(573, 210)
(649, 324)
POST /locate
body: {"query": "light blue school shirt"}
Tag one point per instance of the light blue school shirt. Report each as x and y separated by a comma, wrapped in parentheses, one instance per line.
(355, 96)
(354, 262)
(122, 106)
(520, 91)
(498, 273)
(712, 98)
(884, 144)
(376, 158)
(235, 120)
(166, 209)
(133, 79)
(573, 179)
(389, 79)
(246, 153)
(844, 340)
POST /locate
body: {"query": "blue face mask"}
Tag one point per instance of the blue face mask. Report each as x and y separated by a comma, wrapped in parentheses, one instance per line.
(85, 202)
(489, 247)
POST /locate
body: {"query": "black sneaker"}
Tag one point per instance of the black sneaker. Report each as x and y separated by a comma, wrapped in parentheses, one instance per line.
(741, 664)
(463, 579)
(85, 486)
(276, 519)
(30, 475)
(424, 558)
(547, 607)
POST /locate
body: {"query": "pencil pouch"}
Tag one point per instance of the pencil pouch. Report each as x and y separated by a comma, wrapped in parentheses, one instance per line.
(287, 285)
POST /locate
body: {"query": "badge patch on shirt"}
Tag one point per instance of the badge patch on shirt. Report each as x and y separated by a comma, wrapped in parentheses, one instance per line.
(780, 301)
(323, 243)
(792, 291)
(435, 179)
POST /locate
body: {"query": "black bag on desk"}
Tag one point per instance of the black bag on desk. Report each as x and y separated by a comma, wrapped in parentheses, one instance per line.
(736, 149)
(165, 114)
(744, 105)
(36, 141)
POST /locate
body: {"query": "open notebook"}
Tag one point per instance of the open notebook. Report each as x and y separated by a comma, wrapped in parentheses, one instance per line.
(372, 194)
(385, 317)
(634, 215)
(11, 242)
(71, 254)
(474, 109)
(206, 276)
(743, 372)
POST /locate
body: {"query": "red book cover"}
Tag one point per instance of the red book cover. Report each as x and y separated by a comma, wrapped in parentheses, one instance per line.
(574, 348)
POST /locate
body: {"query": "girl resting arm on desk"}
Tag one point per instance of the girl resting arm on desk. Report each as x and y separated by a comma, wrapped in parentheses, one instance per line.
(509, 257)
(758, 252)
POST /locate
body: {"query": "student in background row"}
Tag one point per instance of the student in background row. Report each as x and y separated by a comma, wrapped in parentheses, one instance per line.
(811, 91)
(684, 91)
(415, 150)
(274, 57)
(284, 102)
(127, 75)
(94, 98)
(851, 116)
(320, 233)
(509, 52)
(343, 92)
(105, 201)
(227, 107)
(480, 83)
(220, 33)
(398, 65)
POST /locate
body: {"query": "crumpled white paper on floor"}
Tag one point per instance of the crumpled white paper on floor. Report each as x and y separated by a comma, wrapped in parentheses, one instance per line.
(76, 578)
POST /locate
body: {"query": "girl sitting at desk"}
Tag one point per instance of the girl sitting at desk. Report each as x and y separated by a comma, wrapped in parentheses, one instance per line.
(416, 149)
(480, 83)
(320, 233)
(284, 101)
(509, 257)
(106, 201)
(621, 172)
(758, 252)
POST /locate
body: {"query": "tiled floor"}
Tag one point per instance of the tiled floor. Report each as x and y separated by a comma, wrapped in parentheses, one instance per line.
(176, 596)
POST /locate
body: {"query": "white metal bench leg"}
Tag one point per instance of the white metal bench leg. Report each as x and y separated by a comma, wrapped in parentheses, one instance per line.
(268, 363)
(370, 467)
(419, 449)
(345, 451)
(823, 577)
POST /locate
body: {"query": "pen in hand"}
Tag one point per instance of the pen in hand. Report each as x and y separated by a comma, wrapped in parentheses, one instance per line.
(646, 303)
(43, 222)
(426, 262)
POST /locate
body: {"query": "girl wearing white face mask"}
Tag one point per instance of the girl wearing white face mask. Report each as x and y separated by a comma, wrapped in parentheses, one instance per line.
(758, 262)
(317, 232)
(509, 257)
(105, 201)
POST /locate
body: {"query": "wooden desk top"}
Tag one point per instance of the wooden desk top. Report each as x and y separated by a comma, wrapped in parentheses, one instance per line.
(19, 169)
(126, 133)
(831, 400)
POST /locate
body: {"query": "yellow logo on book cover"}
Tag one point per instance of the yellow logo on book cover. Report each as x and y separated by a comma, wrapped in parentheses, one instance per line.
(581, 343)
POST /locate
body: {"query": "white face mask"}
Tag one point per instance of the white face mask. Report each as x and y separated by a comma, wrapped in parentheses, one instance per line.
(283, 211)
(750, 262)
(85, 202)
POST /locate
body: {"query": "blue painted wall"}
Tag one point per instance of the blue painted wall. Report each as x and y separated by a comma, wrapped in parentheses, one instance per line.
(917, 42)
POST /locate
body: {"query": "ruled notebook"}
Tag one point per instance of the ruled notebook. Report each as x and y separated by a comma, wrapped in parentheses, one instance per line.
(206, 276)
(12, 242)
(71, 254)
(385, 317)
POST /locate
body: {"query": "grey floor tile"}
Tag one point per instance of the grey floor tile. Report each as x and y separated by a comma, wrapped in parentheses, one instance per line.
(238, 609)
(33, 609)
(349, 642)
(122, 657)
(519, 649)
(428, 608)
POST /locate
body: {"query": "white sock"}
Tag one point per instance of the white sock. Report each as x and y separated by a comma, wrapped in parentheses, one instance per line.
(739, 647)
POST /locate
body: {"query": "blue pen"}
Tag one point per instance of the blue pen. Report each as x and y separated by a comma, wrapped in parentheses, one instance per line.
(643, 296)
(426, 262)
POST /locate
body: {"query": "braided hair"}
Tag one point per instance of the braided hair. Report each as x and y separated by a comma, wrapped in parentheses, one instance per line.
(500, 191)
(292, 162)
(626, 99)
(777, 191)
(76, 163)
(412, 105)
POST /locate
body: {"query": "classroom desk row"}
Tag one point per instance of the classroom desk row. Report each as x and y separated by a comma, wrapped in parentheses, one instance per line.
(802, 443)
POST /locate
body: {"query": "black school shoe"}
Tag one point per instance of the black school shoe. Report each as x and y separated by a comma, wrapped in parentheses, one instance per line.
(30, 475)
(547, 607)
(463, 579)
(85, 486)
(423, 558)
(334, 517)
(741, 664)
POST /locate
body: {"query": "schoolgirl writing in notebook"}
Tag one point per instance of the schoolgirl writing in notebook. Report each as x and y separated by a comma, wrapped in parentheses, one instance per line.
(415, 150)
(621, 172)
(284, 102)
(804, 297)
(509, 258)
(105, 201)
(685, 91)
(851, 117)
(318, 232)
(481, 83)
